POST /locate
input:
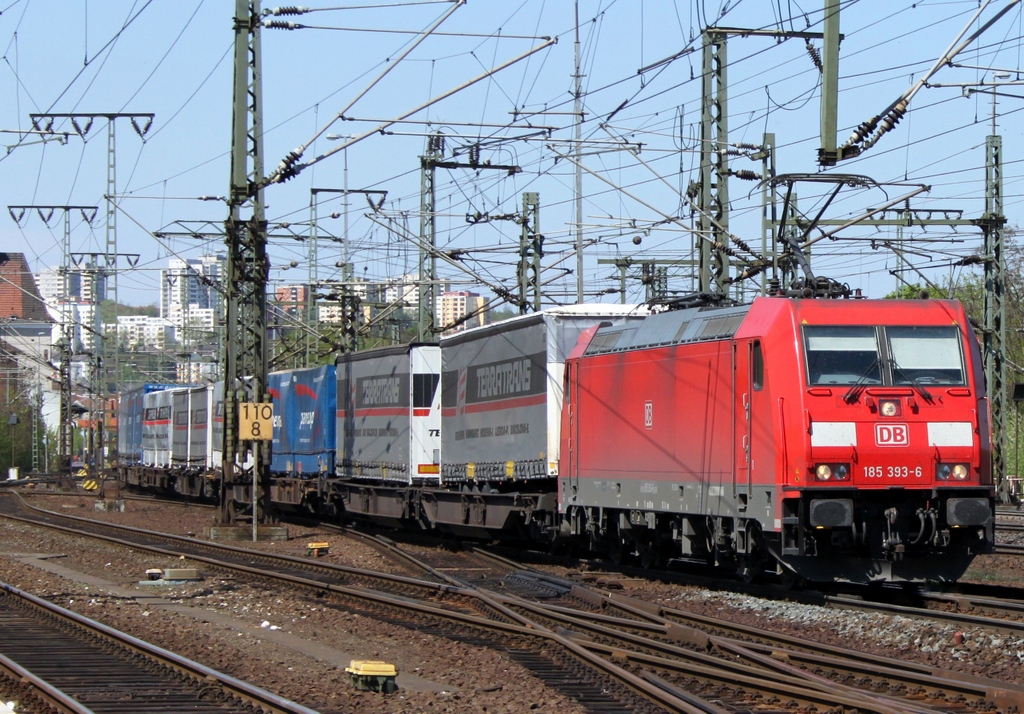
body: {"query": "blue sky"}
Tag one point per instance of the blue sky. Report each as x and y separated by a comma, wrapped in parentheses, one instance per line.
(174, 59)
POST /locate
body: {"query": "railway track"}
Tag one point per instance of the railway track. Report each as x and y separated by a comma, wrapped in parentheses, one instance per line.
(720, 661)
(614, 653)
(418, 604)
(53, 659)
(1009, 549)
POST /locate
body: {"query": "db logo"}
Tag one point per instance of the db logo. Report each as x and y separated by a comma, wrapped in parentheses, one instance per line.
(892, 435)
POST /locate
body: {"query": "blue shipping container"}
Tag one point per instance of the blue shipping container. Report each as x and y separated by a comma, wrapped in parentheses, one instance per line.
(129, 422)
(304, 421)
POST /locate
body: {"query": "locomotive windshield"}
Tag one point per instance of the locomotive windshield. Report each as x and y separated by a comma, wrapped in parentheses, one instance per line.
(925, 355)
(863, 355)
(842, 355)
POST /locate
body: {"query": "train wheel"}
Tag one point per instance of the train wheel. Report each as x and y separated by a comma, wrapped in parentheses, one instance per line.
(649, 556)
(618, 551)
(788, 580)
(747, 573)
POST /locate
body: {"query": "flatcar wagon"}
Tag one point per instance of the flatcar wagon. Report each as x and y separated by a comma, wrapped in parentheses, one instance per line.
(500, 401)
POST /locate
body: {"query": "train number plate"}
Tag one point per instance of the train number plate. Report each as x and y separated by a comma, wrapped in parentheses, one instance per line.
(893, 472)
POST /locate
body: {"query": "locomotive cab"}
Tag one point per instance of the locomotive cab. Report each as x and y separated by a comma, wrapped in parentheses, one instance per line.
(893, 480)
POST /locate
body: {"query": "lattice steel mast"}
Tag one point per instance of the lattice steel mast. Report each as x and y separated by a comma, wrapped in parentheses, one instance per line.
(246, 464)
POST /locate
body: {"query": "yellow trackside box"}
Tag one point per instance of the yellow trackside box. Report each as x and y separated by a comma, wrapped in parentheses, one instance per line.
(318, 548)
(371, 668)
(373, 675)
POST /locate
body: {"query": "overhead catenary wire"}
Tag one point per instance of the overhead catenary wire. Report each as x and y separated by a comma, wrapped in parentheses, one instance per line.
(500, 194)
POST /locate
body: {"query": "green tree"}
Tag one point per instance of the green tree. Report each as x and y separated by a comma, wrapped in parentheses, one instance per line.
(16, 439)
(915, 291)
(969, 288)
(109, 311)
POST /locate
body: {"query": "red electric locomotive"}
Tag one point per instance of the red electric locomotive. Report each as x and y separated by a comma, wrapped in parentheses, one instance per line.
(838, 440)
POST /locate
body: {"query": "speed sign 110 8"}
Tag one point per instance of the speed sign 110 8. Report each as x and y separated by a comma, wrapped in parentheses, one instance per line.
(255, 421)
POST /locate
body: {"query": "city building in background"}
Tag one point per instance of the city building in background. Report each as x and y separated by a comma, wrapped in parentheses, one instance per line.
(184, 283)
(462, 309)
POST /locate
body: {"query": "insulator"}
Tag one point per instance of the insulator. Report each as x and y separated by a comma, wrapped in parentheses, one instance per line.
(815, 55)
(741, 243)
(281, 25)
(748, 147)
(893, 117)
(863, 130)
(286, 169)
(288, 10)
(752, 272)
(747, 175)
(722, 248)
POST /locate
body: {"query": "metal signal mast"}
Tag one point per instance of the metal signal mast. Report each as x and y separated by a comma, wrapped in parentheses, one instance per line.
(246, 482)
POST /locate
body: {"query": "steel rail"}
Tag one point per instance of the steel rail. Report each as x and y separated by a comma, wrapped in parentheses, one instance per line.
(41, 689)
(251, 694)
(958, 618)
(499, 604)
(523, 627)
(652, 637)
(798, 650)
(791, 682)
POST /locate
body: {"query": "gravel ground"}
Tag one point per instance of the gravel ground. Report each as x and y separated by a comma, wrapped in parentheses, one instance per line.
(234, 626)
(258, 634)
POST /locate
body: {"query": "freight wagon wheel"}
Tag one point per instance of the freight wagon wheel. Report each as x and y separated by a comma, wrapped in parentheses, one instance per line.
(649, 555)
(617, 551)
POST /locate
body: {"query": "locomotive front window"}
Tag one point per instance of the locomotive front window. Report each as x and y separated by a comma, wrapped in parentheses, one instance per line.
(842, 355)
(925, 355)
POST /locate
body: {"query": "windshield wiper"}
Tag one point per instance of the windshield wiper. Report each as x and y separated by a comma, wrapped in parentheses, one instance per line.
(896, 369)
(853, 394)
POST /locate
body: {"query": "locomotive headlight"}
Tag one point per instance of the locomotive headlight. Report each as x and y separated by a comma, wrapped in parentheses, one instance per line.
(830, 472)
(889, 408)
(958, 472)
